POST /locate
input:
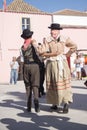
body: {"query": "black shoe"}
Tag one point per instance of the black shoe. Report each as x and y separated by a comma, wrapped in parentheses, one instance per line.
(66, 108)
(36, 104)
(29, 109)
(54, 107)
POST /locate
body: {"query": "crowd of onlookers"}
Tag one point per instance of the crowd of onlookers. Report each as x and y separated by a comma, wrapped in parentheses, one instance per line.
(80, 68)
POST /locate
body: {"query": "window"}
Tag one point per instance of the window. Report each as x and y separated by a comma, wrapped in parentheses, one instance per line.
(25, 23)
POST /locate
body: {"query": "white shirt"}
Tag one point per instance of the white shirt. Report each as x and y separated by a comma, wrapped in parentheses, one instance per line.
(82, 62)
(15, 65)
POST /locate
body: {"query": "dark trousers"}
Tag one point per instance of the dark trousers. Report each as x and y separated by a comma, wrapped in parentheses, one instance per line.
(31, 76)
(29, 91)
(42, 78)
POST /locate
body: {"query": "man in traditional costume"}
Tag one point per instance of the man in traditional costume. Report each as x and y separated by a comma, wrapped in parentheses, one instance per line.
(31, 73)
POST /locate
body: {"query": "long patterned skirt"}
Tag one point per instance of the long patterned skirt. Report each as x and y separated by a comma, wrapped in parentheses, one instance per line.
(58, 87)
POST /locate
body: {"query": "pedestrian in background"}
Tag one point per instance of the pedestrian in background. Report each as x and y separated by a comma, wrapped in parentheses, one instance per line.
(58, 76)
(77, 63)
(31, 72)
(14, 71)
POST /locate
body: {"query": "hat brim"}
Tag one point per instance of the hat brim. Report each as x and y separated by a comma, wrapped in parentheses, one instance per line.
(27, 36)
(53, 28)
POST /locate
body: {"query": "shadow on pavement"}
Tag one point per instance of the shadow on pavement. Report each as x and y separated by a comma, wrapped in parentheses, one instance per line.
(79, 87)
(34, 121)
(79, 102)
(45, 122)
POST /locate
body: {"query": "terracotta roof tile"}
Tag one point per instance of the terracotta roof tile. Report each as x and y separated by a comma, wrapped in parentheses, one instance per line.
(21, 6)
(70, 13)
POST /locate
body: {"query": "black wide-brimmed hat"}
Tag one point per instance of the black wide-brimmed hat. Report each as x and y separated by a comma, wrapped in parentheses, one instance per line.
(26, 33)
(55, 26)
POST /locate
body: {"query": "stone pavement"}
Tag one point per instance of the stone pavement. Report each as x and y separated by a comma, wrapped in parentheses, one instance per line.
(13, 114)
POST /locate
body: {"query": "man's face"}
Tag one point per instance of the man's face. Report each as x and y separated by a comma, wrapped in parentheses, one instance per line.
(28, 39)
(55, 33)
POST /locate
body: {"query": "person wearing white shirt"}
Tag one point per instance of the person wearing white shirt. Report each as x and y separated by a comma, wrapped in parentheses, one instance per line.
(14, 71)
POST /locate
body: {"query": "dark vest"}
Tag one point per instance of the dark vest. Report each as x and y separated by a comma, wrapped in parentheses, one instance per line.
(30, 55)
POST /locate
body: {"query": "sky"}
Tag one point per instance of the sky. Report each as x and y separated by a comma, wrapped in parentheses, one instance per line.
(54, 5)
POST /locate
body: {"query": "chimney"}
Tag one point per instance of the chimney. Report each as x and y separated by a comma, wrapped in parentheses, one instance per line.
(4, 5)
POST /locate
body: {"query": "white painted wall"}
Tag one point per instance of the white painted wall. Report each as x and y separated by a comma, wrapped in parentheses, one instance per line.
(70, 20)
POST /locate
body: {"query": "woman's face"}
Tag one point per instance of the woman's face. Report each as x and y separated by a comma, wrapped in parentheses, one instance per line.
(14, 58)
(55, 33)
